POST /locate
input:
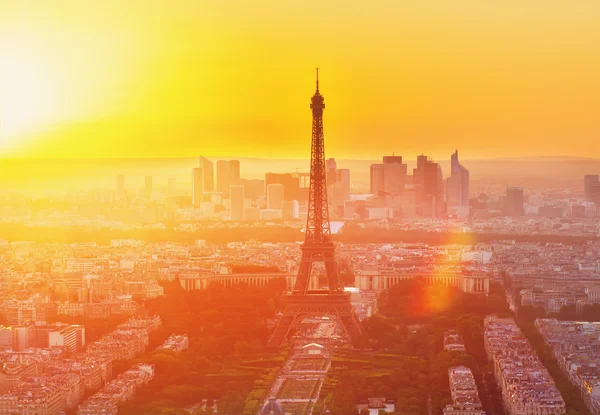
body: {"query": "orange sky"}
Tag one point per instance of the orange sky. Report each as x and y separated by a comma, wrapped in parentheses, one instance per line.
(146, 78)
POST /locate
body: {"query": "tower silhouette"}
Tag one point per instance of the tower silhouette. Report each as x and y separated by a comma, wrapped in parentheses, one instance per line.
(317, 247)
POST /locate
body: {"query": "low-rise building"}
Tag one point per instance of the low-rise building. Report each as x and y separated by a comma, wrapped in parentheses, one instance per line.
(453, 342)
(526, 385)
(465, 397)
(575, 346)
(175, 342)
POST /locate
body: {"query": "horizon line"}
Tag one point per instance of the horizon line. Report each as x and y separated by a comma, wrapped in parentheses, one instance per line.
(7, 157)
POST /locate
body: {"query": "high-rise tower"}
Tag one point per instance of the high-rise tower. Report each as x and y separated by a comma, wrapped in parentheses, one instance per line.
(389, 177)
(207, 173)
(228, 173)
(317, 247)
(457, 188)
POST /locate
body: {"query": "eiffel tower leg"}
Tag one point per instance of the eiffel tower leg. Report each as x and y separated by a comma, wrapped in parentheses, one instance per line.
(303, 279)
(331, 268)
(352, 326)
(282, 330)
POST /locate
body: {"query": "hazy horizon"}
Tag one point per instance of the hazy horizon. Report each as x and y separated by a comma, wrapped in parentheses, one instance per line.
(49, 175)
(231, 157)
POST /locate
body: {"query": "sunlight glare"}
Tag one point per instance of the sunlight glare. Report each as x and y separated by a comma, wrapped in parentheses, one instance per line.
(26, 99)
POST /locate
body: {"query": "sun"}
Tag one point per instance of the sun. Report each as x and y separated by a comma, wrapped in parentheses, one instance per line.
(26, 95)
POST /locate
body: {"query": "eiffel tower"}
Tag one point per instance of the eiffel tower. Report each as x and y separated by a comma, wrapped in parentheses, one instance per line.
(317, 247)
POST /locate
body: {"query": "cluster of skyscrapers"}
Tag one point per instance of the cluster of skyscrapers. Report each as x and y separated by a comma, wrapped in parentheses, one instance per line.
(224, 194)
(424, 193)
(278, 196)
(219, 192)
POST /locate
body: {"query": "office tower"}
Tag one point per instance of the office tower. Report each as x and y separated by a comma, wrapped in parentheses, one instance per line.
(223, 176)
(331, 171)
(389, 177)
(121, 192)
(207, 171)
(172, 186)
(428, 178)
(419, 171)
(343, 177)
(147, 187)
(197, 186)
(290, 182)
(433, 179)
(340, 190)
(457, 185)
(290, 210)
(513, 201)
(433, 189)
(228, 173)
(275, 196)
(253, 188)
(409, 203)
(304, 186)
(591, 185)
(336, 195)
(237, 201)
(235, 170)
(303, 179)
(392, 159)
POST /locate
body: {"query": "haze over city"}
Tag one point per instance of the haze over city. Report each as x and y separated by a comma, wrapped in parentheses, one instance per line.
(194, 220)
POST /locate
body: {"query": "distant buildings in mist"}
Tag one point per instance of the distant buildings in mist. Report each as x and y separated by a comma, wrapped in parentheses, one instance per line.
(591, 188)
(421, 194)
(220, 192)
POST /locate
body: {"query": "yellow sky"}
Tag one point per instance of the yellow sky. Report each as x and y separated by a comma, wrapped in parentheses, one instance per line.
(144, 78)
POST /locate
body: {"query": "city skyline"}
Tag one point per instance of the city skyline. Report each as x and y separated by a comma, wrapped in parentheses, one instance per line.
(175, 238)
(490, 78)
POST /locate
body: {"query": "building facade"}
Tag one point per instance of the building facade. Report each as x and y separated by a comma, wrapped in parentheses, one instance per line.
(457, 187)
(389, 177)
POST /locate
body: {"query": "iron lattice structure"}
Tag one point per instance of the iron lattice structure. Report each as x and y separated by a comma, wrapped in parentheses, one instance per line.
(317, 247)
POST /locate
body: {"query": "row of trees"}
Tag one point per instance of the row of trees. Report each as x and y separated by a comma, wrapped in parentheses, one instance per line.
(413, 302)
(349, 234)
(226, 328)
(411, 327)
